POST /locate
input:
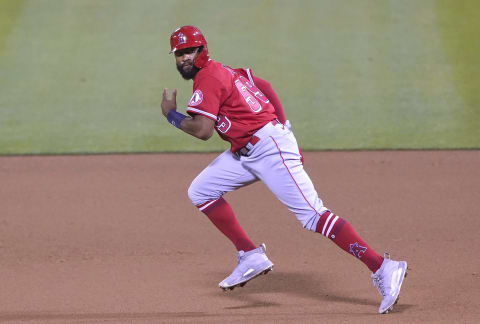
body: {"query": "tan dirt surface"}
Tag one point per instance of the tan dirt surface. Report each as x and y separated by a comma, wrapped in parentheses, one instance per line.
(114, 239)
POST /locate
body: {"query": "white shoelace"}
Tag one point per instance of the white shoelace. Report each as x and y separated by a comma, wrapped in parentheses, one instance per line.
(378, 282)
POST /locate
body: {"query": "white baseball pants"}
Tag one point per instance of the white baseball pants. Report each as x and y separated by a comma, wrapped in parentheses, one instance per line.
(275, 160)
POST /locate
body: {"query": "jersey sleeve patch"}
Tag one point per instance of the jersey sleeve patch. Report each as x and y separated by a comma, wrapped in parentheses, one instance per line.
(196, 99)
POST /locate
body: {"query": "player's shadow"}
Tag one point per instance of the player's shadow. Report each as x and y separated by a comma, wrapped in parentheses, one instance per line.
(306, 285)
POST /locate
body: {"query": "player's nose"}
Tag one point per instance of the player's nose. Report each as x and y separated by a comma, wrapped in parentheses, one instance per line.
(188, 57)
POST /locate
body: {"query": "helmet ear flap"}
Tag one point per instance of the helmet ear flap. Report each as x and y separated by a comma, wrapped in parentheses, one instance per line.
(202, 58)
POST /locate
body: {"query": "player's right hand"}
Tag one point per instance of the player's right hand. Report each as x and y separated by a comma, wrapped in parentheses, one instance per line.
(168, 103)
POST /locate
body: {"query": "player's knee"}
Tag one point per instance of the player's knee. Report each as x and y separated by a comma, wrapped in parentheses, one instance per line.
(197, 194)
(194, 195)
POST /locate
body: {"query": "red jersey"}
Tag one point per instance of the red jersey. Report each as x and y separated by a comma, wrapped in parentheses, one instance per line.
(230, 98)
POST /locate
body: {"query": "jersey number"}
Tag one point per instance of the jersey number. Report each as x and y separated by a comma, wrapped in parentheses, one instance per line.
(250, 93)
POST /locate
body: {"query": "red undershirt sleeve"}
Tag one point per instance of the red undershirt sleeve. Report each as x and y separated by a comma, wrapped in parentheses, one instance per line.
(268, 91)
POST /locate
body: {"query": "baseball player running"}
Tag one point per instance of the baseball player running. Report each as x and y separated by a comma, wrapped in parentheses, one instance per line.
(246, 112)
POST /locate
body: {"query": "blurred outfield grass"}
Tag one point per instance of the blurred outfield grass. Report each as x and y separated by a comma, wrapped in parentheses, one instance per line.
(80, 76)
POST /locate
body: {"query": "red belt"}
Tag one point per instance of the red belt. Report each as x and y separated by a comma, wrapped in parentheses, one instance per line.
(254, 140)
(244, 150)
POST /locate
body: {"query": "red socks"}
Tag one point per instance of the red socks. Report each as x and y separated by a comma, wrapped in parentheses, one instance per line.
(330, 225)
(343, 235)
(222, 216)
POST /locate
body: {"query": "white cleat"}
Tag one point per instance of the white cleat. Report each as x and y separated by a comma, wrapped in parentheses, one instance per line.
(388, 280)
(250, 264)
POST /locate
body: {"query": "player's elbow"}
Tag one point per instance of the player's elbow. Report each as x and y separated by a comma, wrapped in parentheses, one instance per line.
(205, 129)
(200, 126)
(205, 134)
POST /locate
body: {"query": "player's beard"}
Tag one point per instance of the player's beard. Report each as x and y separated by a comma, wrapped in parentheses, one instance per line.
(188, 70)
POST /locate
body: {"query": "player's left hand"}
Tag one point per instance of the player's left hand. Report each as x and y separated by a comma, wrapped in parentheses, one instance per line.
(288, 124)
(168, 103)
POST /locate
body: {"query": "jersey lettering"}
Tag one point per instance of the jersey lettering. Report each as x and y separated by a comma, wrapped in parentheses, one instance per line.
(254, 105)
(254, 90)
(223, 124)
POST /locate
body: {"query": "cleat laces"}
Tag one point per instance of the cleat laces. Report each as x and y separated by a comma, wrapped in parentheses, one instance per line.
(378, 282)
(378, 279)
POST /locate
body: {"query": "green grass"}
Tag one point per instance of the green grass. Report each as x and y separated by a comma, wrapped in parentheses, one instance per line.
(86, 76)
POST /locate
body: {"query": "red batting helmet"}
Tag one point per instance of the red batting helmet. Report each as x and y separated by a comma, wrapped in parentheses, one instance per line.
(190, 36)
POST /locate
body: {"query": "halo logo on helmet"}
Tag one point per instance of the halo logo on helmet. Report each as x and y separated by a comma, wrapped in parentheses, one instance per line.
(181, 39)
(190, 36)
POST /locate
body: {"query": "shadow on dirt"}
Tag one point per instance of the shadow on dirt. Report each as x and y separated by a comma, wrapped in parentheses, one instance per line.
(306, 285)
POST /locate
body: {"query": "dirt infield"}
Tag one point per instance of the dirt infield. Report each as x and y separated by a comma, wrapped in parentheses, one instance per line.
(114, 239)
